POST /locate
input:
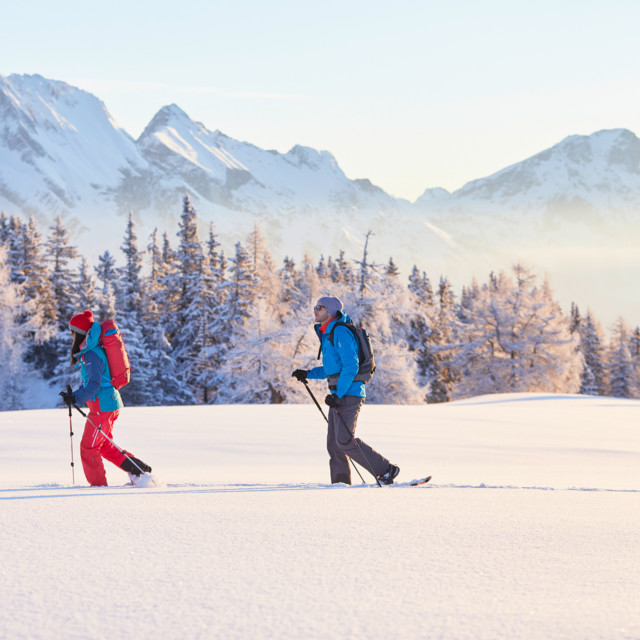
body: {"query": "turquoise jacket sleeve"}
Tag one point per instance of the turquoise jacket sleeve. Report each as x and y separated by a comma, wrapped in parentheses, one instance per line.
(92, 379)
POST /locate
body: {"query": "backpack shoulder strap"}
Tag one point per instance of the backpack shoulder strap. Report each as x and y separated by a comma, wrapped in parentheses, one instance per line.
(352, 330)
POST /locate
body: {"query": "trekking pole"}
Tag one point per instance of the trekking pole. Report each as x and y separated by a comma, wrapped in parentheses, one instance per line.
(353, 464)
(99, 429)
(73, 472)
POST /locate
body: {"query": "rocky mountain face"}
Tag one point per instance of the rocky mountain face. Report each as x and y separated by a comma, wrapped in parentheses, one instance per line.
(572, 211)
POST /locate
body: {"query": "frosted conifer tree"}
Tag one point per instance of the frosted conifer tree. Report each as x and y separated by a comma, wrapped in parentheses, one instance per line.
(260, 344)
(13, 245)
(4, 229)
(213, 301)
(442, 339)
(519, 341)
(240, 296)
(391, 269)
(40, 311)
(634, 352)
(86, 288)
(62, 256)
(166, 385)
(14, 372)
(622, 375)
(37, 285)
(107, 274)
(321, 269)
(384, 308)
(191, 336)
(593, 378)
(420, 322)
(159, 301)
(342, 271)
(143, 388)
(63, 279)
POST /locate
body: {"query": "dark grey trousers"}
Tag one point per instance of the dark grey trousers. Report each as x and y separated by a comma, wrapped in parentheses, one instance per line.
(340, 443)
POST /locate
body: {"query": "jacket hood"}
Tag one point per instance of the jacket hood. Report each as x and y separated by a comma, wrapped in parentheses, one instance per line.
(92, 339)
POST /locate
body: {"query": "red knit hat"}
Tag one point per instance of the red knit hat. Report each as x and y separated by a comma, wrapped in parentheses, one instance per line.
(82, 322)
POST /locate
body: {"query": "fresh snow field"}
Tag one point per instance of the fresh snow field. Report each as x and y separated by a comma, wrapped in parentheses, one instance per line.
(530, 527)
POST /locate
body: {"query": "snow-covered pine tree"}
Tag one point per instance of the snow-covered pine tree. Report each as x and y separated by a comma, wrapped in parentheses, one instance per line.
(519, 340)
(30, 270)
(634, 352)
(191, 336)
(64, 285)
(144, 384)
(622, 374)
(442, 339)
(107, 274)
(86, 289)
(289, 292)
(217, 261)
(213, 300)
(420, 321)
(158, 301)
(593, 378)
(13, 244)
(4, 229)
(384, 307)
(391, 268)
(261, 343)
(168, 293)
(62, 256)
(299, 291)
(37, 285)
(321, 269)
(576, 318)
(239, 295)
(341, 271)
(14, 341)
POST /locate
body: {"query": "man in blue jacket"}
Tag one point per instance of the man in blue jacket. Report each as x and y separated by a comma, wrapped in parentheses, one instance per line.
(340, 364)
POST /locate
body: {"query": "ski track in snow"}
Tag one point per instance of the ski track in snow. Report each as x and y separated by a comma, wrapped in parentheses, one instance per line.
(70, 491)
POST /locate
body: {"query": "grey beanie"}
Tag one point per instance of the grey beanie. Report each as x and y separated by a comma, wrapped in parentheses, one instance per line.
(332, 305)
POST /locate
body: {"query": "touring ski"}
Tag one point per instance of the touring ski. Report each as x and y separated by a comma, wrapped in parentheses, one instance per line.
(417, 483)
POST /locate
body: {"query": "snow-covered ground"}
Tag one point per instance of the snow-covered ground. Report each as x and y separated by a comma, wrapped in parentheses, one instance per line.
(530, 527)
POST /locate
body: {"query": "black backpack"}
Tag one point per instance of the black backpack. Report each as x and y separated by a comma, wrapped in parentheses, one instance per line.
(365, 355)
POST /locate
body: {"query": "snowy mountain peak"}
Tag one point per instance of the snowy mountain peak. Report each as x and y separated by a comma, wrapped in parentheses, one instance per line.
(603, 148)
(53, 104)
(599, 171)
(62, 153)
(170, 116)
(59, 147)
(312, 158)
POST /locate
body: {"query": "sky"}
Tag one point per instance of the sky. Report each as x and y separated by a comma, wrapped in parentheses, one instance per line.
(411, 94)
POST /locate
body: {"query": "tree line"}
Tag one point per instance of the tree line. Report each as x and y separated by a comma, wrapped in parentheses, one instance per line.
(204, 327)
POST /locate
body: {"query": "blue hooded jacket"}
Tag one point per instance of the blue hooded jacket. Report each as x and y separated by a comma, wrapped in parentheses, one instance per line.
(342, 358)
(96, 378)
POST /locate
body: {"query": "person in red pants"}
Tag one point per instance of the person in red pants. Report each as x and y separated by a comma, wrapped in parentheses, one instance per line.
(104, 403)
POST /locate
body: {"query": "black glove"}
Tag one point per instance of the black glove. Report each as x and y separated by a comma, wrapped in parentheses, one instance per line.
(300, 374)
(67, 396)
(332, 401)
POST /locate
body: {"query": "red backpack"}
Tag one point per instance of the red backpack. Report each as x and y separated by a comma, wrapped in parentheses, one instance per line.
(113, 344)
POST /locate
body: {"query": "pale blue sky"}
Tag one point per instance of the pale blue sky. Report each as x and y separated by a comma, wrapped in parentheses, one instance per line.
(410, 94)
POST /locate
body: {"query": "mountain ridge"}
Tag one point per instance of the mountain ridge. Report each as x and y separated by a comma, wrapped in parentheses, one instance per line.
(61, 153)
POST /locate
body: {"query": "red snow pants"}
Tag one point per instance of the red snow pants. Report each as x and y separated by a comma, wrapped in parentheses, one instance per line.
(94, 446)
